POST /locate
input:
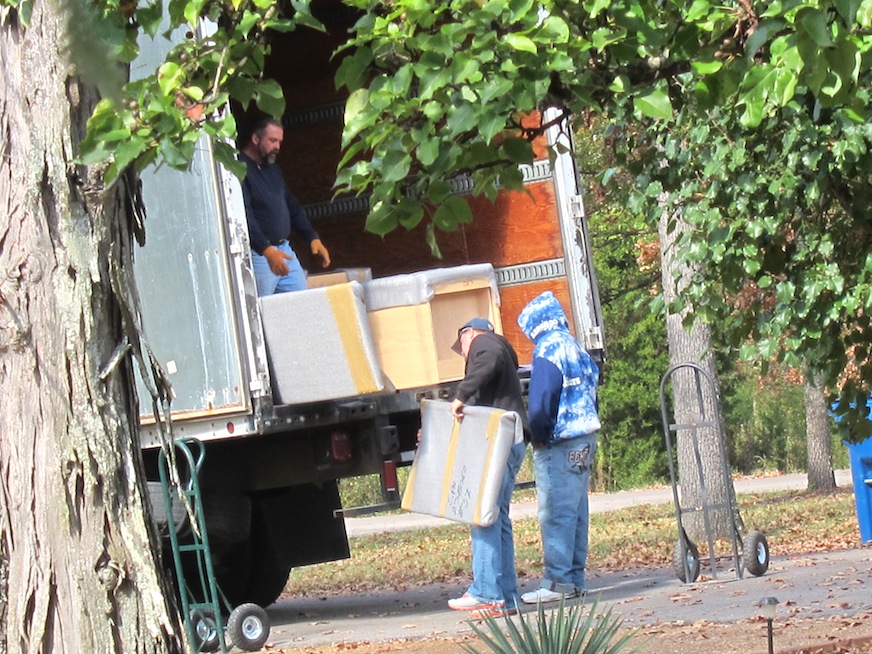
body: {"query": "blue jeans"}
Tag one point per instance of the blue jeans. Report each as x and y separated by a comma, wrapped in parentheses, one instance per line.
(562, 471)
(493, 547)
(268, 282)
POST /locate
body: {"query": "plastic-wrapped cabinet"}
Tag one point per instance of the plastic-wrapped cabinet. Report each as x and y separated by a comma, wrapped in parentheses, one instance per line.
(414, 320)
(460, 464)
(319, 344)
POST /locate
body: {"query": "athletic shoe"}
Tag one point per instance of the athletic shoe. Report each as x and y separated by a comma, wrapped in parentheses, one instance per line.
(469, 603)
(542, 595)
(495, 612)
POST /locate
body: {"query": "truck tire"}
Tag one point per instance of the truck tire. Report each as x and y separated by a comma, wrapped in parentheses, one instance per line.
(265, 585)
(249, 572)
(227, 514)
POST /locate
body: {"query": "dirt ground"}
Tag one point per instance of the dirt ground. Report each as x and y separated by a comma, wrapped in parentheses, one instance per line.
(832, 635)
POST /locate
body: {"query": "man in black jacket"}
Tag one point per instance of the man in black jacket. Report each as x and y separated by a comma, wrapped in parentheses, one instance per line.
(273, 212)
(491, 379)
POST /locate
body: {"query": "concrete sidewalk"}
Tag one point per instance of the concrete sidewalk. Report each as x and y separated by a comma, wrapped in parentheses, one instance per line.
(599, 503)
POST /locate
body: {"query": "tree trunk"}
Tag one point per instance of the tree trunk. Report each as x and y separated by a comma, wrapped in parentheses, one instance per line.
(703, 471)
(80, 553)
(817, 434)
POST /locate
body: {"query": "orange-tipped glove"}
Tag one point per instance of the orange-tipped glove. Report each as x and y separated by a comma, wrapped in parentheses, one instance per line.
(318, 249)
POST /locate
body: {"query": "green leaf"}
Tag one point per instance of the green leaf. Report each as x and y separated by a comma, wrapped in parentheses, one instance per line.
(654, 104)
(395, 166)
(352, 70)
(706, 65)
(169, 77)
(382, 219)
(427, 151)
(814, 22)
(355, 104)
(847, 9)
(451, 213)
(517, 150)
(269, 98)
(192, 11)
(520, 42)
(432, 242)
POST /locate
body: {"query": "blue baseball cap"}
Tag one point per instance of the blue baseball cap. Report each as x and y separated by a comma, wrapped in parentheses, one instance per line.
(480, 324)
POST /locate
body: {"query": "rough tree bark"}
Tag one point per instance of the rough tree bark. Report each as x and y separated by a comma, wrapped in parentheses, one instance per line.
(693, 346)
(819, 445)
(79, 552)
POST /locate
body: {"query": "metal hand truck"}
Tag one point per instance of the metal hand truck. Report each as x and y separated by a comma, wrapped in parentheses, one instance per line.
(750, 551)
(247, 624)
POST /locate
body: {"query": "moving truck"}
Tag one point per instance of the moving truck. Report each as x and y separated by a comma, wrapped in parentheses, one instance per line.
(290, 395)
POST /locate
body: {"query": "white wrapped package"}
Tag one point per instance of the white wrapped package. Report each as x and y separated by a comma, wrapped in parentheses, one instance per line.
(460, 464)
(319, 344)
(420, 287)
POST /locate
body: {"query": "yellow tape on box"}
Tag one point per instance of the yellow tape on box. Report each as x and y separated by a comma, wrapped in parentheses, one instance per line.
(460, 464)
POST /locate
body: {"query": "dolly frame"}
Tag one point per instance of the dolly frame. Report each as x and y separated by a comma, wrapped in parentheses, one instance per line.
(750, 550)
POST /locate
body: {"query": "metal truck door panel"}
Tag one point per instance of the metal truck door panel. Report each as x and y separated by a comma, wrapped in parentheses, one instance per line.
(184, 283)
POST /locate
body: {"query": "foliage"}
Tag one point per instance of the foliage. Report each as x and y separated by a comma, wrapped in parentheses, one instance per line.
(764, 421)
(749, 119)
(215, 53)
(776, 196)
(631, 449)
(561, 630)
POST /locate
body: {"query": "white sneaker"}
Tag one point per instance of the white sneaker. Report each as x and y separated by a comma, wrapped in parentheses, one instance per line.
(469, 603)
(542, 595)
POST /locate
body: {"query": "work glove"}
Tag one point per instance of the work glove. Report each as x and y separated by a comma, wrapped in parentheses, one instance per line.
(318, 249)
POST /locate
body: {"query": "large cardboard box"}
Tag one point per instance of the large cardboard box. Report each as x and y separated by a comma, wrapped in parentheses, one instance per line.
(339, 276)
(460, 464)
(414, 320)
(319, 345)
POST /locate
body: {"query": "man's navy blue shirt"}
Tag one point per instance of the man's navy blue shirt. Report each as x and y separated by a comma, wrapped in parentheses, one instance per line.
(271, 209)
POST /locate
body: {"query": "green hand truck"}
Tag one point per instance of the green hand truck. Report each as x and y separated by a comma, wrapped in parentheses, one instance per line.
(247, 624)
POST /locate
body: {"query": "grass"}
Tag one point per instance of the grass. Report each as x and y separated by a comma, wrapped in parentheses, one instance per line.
(794, 522)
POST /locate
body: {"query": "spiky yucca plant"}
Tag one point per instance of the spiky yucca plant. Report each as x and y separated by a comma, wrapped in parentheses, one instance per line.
(562, 630)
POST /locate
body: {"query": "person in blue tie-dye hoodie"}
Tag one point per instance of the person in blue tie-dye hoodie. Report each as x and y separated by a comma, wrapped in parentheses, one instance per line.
(564, 423)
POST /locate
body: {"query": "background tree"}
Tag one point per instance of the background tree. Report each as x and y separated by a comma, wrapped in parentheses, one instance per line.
(631, 451)
(819, 446)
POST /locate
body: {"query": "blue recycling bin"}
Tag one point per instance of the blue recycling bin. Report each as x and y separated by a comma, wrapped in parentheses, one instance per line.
(861, 474)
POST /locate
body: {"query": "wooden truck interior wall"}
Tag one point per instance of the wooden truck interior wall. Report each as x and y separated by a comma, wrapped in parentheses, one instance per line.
(518, 228)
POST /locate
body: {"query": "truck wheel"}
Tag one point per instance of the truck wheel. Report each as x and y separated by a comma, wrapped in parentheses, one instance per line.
(755, 553)
(692, 561)
(248, 627)
(205, 631)
(267, 577)
(266, 584)
(228, 515)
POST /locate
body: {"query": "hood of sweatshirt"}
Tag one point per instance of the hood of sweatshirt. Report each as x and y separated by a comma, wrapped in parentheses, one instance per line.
(542, 316)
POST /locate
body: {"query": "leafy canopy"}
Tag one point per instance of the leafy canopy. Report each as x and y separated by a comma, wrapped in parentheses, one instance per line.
(749, 118)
